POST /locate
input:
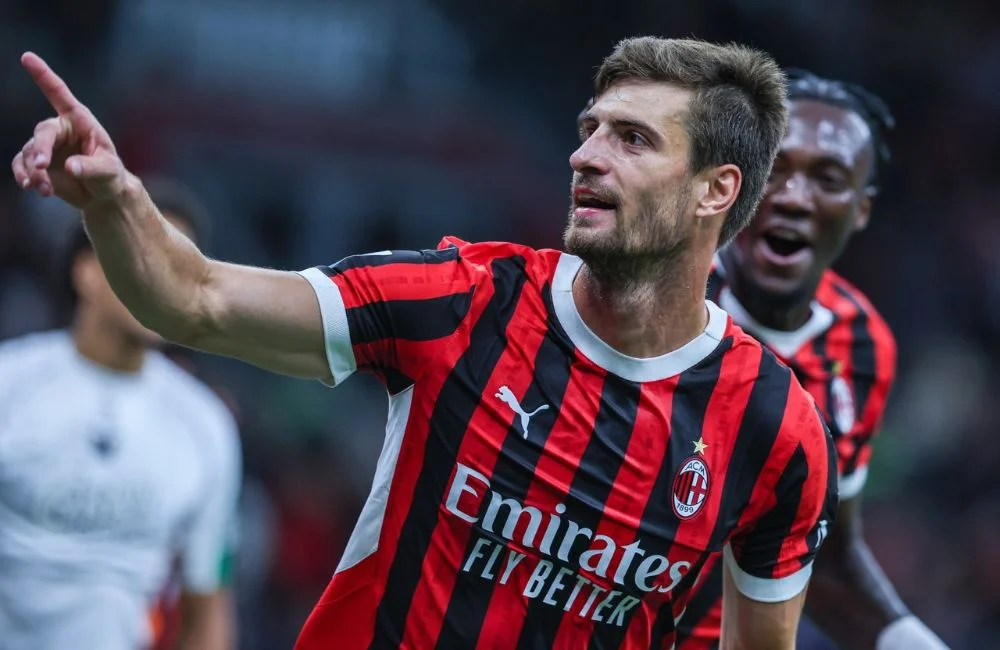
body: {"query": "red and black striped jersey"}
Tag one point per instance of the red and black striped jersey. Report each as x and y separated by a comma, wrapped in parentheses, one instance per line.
(845, 356)
(538, 489)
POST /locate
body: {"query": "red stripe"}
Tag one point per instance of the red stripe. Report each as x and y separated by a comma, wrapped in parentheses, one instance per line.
(491, 422)
(553, 476)
(627, 500)
(364, 285)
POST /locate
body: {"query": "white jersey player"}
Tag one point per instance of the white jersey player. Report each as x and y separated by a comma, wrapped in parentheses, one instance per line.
(114, 463)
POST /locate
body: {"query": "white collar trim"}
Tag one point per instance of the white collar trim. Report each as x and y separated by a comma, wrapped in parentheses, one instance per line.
(629, 368)
(784, 343)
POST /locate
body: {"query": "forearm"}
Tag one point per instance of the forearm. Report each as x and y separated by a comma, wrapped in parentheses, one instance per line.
(157, 272)
(207, 623)
(850, 597)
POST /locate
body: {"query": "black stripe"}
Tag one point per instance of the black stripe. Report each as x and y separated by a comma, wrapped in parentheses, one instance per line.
(409, 320)
(456, 402)
(707, 595)
(512, 477)
(763, 546)
(863, 368)
(658, 526)
(588, 492)
(448, 254)
(395, 381)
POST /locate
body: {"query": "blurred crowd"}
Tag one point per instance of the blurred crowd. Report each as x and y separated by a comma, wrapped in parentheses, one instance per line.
(316, 129)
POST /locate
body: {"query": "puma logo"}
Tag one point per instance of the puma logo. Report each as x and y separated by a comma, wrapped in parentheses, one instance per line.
(506, 395)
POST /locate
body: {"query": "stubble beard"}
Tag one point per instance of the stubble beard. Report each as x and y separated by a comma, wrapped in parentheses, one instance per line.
(634, 253)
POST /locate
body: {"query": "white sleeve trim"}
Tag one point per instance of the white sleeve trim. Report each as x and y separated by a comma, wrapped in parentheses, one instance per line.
(851, 485)
(337, 336)
(767, 590)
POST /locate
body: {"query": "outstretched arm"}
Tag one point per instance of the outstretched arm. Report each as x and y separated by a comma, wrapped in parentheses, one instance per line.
(851, 599)
(265, 317)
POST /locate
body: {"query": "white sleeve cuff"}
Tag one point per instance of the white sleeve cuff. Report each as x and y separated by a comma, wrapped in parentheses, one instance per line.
(337, 336)
(851, 485)
(767, 590)
(908, 633)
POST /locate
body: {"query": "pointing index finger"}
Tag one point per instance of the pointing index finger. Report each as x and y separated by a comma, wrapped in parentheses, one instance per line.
(51, 85)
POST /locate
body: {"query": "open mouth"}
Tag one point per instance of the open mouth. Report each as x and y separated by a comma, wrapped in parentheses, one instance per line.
(785, 243)
(593, 202)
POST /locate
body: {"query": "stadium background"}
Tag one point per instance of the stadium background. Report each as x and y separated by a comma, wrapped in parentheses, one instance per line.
(313, 129)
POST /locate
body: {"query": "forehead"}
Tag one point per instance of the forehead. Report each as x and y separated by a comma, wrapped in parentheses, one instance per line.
(820, 129)
(660, 105)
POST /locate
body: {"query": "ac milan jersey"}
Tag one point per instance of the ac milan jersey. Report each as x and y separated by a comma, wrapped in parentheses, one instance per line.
(845, 356)
(537, 489)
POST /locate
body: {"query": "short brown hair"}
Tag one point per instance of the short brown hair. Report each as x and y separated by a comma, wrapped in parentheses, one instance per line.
(737, 114)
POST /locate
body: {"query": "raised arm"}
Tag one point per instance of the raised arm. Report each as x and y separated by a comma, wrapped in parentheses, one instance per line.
(265, 317)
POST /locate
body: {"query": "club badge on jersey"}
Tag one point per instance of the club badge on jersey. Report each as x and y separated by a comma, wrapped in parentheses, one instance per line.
(691, 484)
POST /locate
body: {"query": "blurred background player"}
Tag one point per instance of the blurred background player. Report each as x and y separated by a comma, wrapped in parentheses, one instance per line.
(775, 280)
(115, 466)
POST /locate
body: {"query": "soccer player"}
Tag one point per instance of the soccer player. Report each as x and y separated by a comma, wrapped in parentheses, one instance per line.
(571, 435)
(776, 282)
(114, 463)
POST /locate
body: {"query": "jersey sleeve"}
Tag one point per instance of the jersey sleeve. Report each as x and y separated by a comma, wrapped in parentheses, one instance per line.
(873, 374)
(387, 313)
(794, 504)
(208, 553)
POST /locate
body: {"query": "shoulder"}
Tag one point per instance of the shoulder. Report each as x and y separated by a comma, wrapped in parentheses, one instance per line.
(870, 334)
(779, 406)
(34, 351)
(848, 303)
(536, 263)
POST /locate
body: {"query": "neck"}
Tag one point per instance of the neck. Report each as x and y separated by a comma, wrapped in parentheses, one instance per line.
(105, 347)
(785, 314)
(645, 316)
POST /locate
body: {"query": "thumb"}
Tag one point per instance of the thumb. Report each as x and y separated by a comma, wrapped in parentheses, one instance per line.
(98, 173)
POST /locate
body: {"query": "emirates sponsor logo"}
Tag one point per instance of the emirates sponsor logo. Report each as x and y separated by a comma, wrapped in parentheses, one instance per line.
(620, 574)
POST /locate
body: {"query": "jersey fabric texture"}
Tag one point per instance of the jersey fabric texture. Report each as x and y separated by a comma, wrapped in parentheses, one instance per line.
(538, 489)
(845, 356)
(105, 479)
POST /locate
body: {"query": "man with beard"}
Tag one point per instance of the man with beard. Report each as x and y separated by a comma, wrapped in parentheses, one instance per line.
(571, 436)
(776, 282)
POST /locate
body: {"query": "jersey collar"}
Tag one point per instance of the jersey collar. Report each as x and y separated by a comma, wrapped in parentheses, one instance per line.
(626, 367)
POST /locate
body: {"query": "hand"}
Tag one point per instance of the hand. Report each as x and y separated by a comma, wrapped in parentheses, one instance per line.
(70, 155)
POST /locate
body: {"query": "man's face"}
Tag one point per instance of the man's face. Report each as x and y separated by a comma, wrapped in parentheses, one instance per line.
(816, 198)
(632, 183)
(96, 294)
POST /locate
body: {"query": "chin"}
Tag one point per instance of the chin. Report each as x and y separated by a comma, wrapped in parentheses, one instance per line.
(782, 290)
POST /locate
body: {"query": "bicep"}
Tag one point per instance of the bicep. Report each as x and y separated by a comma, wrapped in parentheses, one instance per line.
(749, 624)
(265, 317)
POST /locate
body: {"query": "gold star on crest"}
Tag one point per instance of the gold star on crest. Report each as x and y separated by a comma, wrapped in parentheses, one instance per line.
(836, 368)
(700, 446)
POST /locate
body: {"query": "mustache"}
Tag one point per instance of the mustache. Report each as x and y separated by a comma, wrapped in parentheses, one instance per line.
(600, 192)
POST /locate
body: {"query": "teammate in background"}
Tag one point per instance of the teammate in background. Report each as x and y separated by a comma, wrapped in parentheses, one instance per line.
(570, 435)
(776, 282)
(114, 462)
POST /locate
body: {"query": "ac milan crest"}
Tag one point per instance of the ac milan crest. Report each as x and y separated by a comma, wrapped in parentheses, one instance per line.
(841, 404)
(690, 487)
